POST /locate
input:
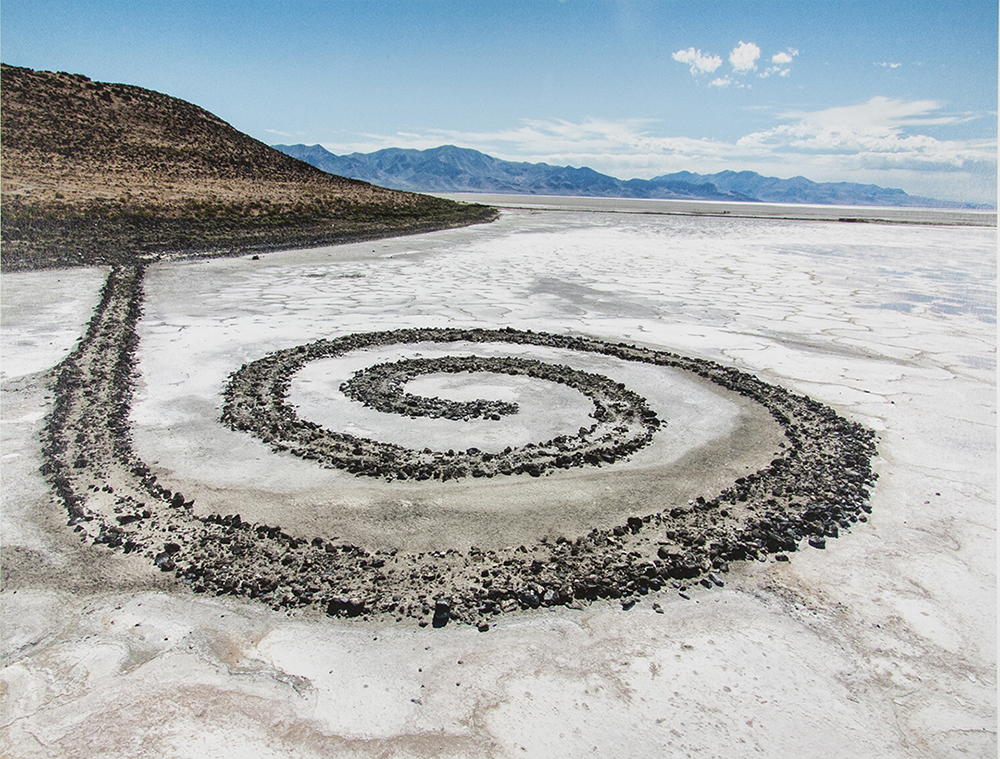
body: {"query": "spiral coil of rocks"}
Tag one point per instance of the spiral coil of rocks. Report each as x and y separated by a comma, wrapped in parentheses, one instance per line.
(816, 487)
(255, 402)
(381, 388)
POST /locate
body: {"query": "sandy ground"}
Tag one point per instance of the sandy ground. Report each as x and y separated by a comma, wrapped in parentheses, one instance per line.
(881, 645)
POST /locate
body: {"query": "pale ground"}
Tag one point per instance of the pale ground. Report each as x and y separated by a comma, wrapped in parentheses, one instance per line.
(882, 645)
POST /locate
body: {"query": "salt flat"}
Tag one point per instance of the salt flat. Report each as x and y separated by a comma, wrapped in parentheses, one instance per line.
(883, 644)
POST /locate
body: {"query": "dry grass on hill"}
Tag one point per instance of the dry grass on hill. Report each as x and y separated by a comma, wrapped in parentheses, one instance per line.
(102, 173)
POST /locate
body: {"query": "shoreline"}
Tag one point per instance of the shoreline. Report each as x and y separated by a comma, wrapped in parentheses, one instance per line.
(65, 243)
(735, 210)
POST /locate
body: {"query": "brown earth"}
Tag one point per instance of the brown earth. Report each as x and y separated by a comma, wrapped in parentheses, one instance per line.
(97, 173)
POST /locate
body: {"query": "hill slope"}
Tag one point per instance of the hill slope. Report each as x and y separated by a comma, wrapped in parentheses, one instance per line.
(451, 169)
(97, 173)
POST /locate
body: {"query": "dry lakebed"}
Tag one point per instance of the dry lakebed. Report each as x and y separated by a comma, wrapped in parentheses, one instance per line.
(574, 482)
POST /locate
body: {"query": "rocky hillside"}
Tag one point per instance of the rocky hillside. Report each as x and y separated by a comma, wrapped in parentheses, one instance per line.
(101, 173)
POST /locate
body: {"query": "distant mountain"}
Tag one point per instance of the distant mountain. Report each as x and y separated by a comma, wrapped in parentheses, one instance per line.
(451, 169)
(802, 190)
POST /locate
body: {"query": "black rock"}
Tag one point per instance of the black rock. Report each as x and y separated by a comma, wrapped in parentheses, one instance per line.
(337, 605)
(529, 598)
(442, 612)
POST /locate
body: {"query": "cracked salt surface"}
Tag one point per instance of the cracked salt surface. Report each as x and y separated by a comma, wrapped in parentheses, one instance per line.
(883, 644)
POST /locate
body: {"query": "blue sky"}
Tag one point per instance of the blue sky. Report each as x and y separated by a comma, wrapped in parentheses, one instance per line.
(892, 92)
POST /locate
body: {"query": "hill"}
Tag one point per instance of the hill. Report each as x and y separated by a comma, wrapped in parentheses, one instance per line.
(451, 169)
(92, 172)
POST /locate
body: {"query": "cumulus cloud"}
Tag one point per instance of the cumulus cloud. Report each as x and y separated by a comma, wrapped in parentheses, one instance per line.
(700, 64)
(744, 57)
(780, 63)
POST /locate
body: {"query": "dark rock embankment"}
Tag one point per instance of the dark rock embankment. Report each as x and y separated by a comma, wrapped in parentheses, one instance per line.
(110, 232)
(816, 488)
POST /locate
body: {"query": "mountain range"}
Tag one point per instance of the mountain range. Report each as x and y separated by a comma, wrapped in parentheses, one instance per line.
(453, 169)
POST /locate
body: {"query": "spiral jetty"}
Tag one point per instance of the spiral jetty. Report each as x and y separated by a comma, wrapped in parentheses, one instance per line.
(818, 486)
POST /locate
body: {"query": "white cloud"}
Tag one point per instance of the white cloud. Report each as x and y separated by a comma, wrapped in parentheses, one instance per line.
(780, 61)
(887, 65)
(774, 70)
(876, 134)
(744, 57)
(728, 81)
(700, 64)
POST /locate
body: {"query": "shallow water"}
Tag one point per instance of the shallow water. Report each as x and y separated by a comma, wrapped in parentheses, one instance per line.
(959, 217)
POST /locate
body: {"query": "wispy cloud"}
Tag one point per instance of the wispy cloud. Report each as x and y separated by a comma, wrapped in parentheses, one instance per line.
(280, 133)
(876, 134)
(700, 64)
(722, 81)
(887, 65)
(878, 141)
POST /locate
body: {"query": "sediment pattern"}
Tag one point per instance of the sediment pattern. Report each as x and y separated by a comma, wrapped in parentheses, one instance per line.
(816, 487)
